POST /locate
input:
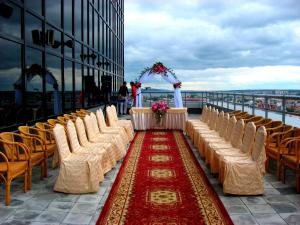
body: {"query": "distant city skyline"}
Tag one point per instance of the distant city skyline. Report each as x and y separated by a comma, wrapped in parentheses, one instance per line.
(215, 44)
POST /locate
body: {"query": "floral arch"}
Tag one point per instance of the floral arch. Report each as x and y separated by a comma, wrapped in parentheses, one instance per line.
(30, 73)
(167, 74)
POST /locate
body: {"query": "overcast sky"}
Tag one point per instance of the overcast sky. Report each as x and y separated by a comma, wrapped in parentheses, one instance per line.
(215, 44)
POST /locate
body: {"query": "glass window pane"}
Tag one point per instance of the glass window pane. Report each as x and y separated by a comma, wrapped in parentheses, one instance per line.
(11, 108)
(85, 21)
(77, 50)
(34, 82)
(10, 22)
(79, 96)
(35, 5)
(77, 19)
(33, 29)
(68, 85)
(68, 16)
(53, 85)
(57, 40)
(53, 11)
(67, 49)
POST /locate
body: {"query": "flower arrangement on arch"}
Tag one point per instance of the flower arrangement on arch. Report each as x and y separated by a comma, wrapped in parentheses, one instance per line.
(160, 109)
(158, 68)
(177, 85)
(138, 84)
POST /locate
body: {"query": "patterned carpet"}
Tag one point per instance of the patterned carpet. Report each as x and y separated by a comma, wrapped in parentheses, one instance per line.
(161, 183)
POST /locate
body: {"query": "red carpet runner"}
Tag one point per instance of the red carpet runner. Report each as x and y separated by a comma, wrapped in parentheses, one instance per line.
(161, 183)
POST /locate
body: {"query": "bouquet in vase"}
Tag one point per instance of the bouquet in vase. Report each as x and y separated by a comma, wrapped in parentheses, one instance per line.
(159, 109)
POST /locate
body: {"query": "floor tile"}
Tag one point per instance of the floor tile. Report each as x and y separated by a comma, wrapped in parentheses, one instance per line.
(77, 218)
(243, 219)
(285, 207)
(250, 200)
(269, 219)
(291, 218)
(60, 206)
(51, 217)
(237, 209)
(84, 207)
(262, 208)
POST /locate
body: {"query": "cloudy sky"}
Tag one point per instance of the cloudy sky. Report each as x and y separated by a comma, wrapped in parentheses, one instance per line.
(215, 44)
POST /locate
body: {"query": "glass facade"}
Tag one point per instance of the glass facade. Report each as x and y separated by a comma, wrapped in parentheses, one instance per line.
(54, 55)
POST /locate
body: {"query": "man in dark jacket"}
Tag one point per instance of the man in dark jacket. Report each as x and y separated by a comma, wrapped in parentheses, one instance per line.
(122, 98)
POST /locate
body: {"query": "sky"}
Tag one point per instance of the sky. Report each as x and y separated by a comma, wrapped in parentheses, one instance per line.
(215, 44)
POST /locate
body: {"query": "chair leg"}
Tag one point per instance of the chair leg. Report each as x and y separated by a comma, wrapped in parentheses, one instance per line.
(7, 192)
(267, 164)
(25, 181)
(283, 174)
(298, 181)
(29, 178)
(278, 169)
(46, 168)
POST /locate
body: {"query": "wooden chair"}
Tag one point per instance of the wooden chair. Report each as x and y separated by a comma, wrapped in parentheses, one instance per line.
(46, 134)
(273, 127)
(254, 119)
(53, 122)
(36, 151)
(274, 143)
(291, 159)
(233, 113)
(264, 122)
(14, 162)
(62, 119)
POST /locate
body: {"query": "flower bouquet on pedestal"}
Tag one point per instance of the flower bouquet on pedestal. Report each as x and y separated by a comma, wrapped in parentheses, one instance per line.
(159, 109)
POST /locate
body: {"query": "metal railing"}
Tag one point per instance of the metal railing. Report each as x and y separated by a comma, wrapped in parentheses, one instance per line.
(277, 107)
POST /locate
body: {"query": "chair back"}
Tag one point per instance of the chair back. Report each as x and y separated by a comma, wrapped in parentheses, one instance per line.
(101, 120)
(207, 114)
(90, 128)
(114, 112)
(95, 123)
(213, 117)
(259, 153)
(224, 125)
(45, 132)
(73, 138)
(203, 114)
(248, 138)
(13, 146)
(81, 132)
(231, 125)
(61, 141)
(237, 134)
(220, 121)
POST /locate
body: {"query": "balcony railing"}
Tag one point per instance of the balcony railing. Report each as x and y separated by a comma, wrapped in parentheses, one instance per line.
(277, 107)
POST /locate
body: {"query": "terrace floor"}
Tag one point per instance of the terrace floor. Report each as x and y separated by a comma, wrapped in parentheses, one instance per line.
(41, 206)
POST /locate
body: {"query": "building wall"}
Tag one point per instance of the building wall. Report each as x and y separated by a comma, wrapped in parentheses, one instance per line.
(54, 54)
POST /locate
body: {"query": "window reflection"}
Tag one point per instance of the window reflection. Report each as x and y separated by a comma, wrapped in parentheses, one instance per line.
(10, 23)
(68, 75)
(35, 5)
(77, 19)
(53, 85)
(34, 83)
(53, 11)
(33, 25)
(79, 95)
(11, 98)
(68, 16)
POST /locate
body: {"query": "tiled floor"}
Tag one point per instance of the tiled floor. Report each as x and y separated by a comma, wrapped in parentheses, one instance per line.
(40, 205)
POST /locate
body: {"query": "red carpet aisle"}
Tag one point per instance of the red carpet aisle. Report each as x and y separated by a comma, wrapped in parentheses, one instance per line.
(161, 183)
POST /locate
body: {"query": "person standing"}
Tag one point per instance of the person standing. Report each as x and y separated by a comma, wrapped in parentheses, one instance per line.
(133, 93)
(122, 96)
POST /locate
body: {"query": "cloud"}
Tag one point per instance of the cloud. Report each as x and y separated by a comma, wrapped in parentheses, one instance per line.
(203, 36)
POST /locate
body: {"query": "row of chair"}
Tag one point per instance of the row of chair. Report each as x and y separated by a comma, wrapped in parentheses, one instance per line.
(281, 144)
(20, 152)
(86, 153)
(232, 149)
